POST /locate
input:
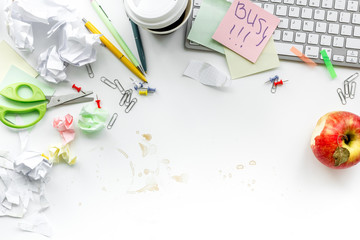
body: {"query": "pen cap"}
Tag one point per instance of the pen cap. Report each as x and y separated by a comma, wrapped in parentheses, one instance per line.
(158, 16)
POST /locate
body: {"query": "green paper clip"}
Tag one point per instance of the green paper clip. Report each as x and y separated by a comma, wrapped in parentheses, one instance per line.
(328, 63)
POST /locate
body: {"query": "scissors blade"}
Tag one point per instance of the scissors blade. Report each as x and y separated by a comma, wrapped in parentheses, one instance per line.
(69, 99)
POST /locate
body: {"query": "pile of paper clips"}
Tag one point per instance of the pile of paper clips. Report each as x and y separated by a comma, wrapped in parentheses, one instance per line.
(349, 88)
(275, 82)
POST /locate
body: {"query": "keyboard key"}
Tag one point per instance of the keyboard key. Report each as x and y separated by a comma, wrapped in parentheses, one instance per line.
(269, 8)
(276, 1)
(284, 23)
(338, 58)
(287, 36)
(314, 3)
(356, 18)
(308, 26)
(320, 27)
(351, 59)
(328, 51)
(352, 5)
(344, 17)
(338, 42)
(301, 2)
(353, 43)
(357, 31)
(327, 3)
(281, 10)
(340, 4)
(277, 35)
(325, 40)
(331, 16)
(289, 1)
(294, 11)
(334, 28)
(306, 13)
(284, 48)
(352, 53)
(346, 30)
(319, 14)
(197, 3)
(313, 38)
(300, 37)
(312, 52)
(295, 24)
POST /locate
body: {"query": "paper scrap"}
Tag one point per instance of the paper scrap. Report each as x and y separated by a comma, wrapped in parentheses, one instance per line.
(50, 66)
(33, 165)
(73, 43)
(246, 29)
(207, 74)
(37, 223)
(65, 127)
(9, 57)
(241, 67)
(77, 47)
(61, 153)
(328, 63)
(302, 56)
(92, 119)
(207, 20)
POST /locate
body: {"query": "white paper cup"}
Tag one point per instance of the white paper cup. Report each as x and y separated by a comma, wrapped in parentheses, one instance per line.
(159, 16)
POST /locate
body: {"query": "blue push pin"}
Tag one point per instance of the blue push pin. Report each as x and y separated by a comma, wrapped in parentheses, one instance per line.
(273, 79)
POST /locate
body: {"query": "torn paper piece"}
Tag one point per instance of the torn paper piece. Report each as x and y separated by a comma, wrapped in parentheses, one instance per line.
(92, 119)
(50, 66)
(61, 153)
(33, 165)
(6, 161)
(77, 47)
(22, 35)
(37, 223)
(207, 74)
(65, 127)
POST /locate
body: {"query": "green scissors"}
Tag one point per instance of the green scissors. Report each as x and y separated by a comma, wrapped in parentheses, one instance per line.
(45, 102)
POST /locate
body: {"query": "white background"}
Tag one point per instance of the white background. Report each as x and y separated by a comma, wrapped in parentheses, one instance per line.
(205, 134)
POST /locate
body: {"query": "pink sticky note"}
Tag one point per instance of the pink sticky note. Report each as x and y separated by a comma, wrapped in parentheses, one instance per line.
(246, 29)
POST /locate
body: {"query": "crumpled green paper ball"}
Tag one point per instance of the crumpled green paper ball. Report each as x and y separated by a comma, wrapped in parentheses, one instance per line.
(92, 119)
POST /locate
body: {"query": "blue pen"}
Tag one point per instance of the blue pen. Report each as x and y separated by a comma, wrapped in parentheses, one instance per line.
(139, 44)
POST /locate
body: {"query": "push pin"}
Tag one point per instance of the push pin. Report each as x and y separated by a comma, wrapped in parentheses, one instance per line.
(97, 102)
(78, 89)
(281, 82)
(273, 79)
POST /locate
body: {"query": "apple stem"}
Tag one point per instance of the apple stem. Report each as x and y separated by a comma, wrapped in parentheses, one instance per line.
(343, 137)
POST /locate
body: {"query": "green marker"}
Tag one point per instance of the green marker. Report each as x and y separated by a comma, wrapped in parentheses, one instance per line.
(328, 63)
(116, 35)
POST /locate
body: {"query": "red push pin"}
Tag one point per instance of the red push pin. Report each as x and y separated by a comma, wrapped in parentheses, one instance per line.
(97, 102)
(77, 88)
(281, 82)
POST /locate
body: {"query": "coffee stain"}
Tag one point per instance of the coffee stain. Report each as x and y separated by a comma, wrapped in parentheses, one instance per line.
(104, 189)
(165, 161)
(140, 174)
(147, 137)
(146, 171)
(240, 166)
(152, 187)
(180, 178)
(252, 162)
(144, 150)
(123, 153)
(80, 204)
(132, 168)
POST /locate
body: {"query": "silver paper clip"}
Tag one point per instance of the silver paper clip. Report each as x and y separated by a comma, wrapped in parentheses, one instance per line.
(352, 89)
(273, 88)
(108, 82)
(131, 105)
(89, 70)
(341, 96)
(119, 86)
(112, 121)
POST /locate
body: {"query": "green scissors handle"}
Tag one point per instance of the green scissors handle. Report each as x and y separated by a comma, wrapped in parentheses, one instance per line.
(11, 92)
(40, 109)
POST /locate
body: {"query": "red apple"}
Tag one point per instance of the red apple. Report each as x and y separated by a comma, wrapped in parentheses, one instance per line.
(335, 140)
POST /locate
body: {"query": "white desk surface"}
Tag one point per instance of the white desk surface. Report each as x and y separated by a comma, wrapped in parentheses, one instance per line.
(203, 134)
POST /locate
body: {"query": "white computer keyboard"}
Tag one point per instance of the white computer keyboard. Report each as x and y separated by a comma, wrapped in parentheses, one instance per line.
(311, 26)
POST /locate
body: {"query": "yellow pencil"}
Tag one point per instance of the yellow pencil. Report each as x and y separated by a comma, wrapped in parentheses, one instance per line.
(115, 51)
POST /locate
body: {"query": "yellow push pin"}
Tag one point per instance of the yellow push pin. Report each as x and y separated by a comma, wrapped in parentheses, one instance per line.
(143, 91)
